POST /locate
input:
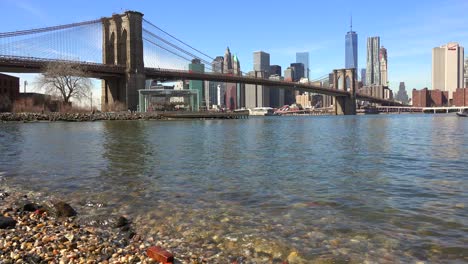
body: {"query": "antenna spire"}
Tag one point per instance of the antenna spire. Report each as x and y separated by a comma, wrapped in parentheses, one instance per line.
(351, 22)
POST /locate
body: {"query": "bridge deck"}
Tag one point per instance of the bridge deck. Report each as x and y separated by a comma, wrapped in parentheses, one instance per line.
(103, 71)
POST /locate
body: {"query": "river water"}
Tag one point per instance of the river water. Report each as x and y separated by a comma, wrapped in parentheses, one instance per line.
(384, 188)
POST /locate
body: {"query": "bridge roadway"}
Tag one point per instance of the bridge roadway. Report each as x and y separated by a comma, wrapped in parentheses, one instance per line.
(36, 65)
(219, 77)
(103, 71)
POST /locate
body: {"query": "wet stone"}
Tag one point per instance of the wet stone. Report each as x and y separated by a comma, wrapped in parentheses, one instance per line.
(7, 222)
(63, 209)
(31, 207)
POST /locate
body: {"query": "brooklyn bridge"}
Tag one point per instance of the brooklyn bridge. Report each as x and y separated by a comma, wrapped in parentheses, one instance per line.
(124, 50)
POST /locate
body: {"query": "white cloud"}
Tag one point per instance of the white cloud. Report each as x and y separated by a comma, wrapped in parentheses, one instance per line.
(30, 8)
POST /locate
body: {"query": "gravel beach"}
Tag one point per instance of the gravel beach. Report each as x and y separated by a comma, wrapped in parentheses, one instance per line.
(47, 232)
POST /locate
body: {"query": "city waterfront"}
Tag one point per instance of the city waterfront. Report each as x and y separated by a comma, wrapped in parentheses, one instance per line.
(379, 188)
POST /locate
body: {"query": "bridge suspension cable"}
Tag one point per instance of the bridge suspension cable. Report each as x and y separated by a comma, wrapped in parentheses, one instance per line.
(175, 46)
(172, 36)
(46, 29)
(71, 42)
(178, 47)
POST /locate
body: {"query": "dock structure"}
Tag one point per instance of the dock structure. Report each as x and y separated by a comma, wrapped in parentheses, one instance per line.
(203, 115)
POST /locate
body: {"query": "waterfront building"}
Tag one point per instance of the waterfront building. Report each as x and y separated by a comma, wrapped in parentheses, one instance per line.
(373, 62)
(351, 48)
(430, 98)
(383, 66)
(448, 67)
(460, 97)
(402, 95)
(304, 100)
(289, 96)
(276, 94)
(257, 95)
(9, 91)
(303, 57)
(363, 76)
(197, 66)
(167, 100)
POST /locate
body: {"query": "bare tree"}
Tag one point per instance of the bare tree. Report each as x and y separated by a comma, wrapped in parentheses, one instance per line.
(65, 80)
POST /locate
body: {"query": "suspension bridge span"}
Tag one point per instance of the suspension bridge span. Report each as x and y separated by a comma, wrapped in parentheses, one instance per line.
(125, 50)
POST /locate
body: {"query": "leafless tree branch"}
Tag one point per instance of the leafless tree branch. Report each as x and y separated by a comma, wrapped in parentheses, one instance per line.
(66, 81)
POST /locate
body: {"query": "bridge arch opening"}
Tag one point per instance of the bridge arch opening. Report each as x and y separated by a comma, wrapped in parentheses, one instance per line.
(111, 41)
(123, 48)
(340, 82)
(347, 83)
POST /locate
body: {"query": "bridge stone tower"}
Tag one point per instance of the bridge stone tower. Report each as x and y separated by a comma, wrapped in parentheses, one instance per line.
(123, 45)
(345, 105)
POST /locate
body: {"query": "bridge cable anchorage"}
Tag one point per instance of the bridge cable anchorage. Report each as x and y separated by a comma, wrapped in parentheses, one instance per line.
(167, 33)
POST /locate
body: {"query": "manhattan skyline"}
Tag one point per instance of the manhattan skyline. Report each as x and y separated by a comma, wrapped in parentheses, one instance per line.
(408, 31)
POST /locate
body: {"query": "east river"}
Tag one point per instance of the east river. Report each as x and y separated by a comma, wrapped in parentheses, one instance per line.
(384, 188)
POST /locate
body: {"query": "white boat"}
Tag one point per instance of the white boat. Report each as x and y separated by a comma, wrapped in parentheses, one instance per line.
(463, 113)
(261, 111)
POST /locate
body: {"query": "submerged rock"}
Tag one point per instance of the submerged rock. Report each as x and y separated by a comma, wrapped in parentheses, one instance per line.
(63, 209)
(31, 207)
(7, 222)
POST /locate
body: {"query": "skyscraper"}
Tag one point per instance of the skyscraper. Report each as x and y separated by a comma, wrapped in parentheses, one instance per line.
(373, 62)
(258, 95)
(230, 95)
(298, 72)
(275, 69)
(197, 66)
(402, 95)
(383, 66)
(217, 66)
(447, 68)
(276, 94)
(261, 61)
(289, 97)
(227, 65)
(351, 51)
(303, 57)
(466, 73)
(363, 76)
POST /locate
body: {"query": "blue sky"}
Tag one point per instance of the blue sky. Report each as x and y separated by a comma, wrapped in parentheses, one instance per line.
(408, 29)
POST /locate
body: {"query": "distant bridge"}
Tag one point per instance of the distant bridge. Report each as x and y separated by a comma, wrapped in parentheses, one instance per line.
(123, 70)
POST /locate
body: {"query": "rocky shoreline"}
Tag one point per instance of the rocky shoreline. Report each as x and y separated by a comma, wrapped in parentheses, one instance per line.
(49, 232)
(40, 228)
(76, 117)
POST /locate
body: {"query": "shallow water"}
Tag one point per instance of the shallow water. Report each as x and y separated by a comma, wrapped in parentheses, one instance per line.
(388, 188)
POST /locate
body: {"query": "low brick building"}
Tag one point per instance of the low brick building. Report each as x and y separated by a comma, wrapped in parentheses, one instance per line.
(460, 97)
(9, 91)
(429, 98)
